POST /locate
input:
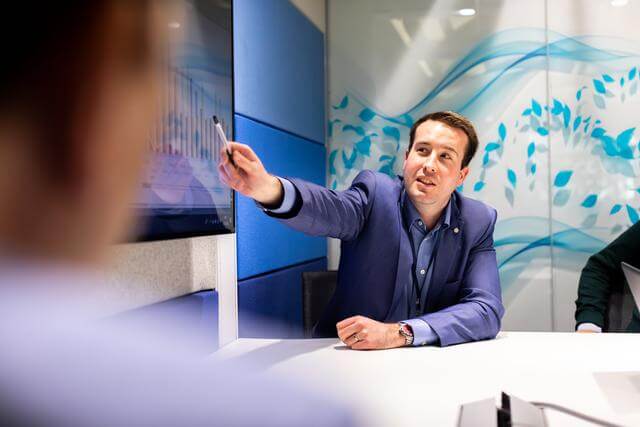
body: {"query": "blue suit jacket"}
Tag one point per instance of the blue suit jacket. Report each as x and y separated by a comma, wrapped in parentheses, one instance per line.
(463, 301)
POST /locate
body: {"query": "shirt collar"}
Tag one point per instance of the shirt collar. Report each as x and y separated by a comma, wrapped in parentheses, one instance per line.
(411, 214)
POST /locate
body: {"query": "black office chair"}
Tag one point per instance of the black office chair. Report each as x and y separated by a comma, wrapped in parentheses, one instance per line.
(619, 310)
(317, 289)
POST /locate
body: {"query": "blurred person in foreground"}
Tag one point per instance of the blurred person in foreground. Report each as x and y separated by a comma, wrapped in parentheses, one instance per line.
(77, 99)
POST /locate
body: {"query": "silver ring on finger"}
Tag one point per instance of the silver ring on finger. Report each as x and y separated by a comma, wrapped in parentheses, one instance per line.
(356, 337)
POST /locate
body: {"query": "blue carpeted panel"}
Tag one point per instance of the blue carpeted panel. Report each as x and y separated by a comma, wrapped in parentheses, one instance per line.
(279, 67)
(190, 321)
(264, 244)
(270, 306)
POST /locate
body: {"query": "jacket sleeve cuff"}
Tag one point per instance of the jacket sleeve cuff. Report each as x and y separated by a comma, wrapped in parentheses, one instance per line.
(288, 200)
(422, 332)
(588, 326)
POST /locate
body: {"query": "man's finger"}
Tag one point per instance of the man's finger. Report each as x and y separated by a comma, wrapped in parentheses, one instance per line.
(361, 345)
(232, 172)
(348, 331)
(244, 149)
(242, 161)
(223, 174)
(346, 322)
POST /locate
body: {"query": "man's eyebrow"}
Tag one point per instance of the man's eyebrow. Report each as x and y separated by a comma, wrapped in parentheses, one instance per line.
(449, 148)
(446, 147)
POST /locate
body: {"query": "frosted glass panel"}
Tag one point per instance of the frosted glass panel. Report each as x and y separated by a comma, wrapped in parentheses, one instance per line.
(551, 89)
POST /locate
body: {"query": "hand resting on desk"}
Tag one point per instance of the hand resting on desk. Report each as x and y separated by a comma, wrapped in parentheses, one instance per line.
(362, 333)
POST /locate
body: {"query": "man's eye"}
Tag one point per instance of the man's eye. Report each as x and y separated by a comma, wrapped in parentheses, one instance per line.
(446, 156)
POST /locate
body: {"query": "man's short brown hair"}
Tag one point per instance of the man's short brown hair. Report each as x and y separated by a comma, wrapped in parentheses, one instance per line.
(456, 121)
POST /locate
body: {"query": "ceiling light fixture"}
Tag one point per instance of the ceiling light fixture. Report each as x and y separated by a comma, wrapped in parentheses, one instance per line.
(469, 12)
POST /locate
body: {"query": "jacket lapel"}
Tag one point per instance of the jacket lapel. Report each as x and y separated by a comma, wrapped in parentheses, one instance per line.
(446, 255)
(403, 271)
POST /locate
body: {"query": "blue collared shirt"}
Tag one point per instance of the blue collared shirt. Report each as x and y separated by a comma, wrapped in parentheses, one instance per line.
(424, 244)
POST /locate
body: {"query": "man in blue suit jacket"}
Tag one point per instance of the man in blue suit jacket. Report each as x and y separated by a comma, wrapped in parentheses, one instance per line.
(417, 262)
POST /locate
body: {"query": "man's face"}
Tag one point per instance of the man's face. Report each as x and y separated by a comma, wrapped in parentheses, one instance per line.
(433, 168)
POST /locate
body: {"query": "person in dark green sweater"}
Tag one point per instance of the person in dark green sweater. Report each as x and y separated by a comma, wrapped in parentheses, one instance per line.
(603, 275)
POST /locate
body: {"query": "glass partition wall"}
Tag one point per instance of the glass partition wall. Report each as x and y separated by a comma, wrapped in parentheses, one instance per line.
(552, 87)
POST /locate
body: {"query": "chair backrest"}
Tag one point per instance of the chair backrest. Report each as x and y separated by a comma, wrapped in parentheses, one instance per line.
(317, 289)
(619, 310)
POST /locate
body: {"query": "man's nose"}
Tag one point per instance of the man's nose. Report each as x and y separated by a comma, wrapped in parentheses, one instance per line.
(429, 164)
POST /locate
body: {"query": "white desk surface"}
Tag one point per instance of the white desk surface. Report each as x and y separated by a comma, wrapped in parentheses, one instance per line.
(598, 374)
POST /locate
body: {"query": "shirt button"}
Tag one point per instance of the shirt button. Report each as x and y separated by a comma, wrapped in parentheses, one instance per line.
(420, 223)
(422, 272)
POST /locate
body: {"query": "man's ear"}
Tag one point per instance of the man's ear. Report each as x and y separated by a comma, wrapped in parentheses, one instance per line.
(406, 154)
(463, 175)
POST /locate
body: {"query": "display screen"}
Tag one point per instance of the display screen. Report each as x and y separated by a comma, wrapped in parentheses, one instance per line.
(181, 193)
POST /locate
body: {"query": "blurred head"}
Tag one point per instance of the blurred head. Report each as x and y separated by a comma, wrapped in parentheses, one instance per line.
(76, 107)
(440, 148)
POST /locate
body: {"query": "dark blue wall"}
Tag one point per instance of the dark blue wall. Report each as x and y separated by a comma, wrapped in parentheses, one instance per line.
(279, 104)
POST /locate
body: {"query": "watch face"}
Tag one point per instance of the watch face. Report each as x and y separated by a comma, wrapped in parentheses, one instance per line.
(406, 330)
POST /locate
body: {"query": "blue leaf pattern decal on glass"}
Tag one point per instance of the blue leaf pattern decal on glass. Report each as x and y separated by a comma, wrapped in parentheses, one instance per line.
(332, 159)
(562, 178)
(508, 194)
(392, 132)
(348, 162)
(561, 197)
(576, 123)
(615, 209)
(535, 106)
(633, 214)
(632, 73)
(357, 129)
(502, 131)
(531, 149)
(590, 201)
(364, 146)
(566, 116)
(589, 221)
(366, 115)
(624, 138)
(343, 104)
(511, 176)
(542, 131)
(478, 186)
(492, 146)
(607, 78)
(599, 86)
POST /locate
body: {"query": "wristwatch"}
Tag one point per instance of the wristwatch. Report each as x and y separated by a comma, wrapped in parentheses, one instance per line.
(406, 331)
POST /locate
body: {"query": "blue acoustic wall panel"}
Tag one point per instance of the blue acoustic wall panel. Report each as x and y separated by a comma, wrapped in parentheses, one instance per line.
(270, 306)
(279, 67)
(263, 243)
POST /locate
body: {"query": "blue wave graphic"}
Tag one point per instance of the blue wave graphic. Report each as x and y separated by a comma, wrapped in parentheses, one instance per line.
(520, 241)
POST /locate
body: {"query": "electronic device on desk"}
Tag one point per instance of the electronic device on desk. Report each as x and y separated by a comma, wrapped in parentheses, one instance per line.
(181, 194)
(515, 412)
(632, 274)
